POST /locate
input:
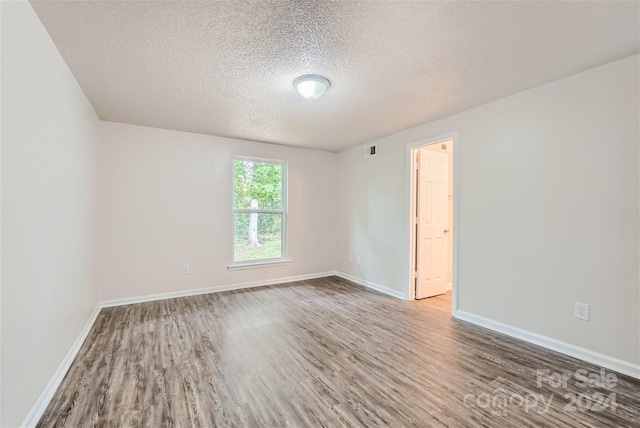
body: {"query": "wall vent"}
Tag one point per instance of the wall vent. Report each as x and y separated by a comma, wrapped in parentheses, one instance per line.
(370, 151)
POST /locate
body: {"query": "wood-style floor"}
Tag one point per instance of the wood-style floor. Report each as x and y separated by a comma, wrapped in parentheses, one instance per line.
(319, 353)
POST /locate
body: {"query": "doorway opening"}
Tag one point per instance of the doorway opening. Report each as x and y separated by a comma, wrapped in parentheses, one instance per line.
(432, 220)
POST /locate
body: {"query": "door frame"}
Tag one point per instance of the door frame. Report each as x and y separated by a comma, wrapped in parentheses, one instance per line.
(411, 204)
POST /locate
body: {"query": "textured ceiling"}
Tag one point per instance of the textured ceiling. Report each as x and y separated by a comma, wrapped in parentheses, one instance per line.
(226, 68)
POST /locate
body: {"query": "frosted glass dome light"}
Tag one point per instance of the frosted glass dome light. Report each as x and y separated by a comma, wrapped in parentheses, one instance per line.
(311, 86)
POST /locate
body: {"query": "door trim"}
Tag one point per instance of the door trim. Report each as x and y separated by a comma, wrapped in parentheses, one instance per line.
(411, 208)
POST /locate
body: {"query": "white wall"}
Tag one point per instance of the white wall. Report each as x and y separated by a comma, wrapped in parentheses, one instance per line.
(548, 209)
(165, 200)
(48, 188)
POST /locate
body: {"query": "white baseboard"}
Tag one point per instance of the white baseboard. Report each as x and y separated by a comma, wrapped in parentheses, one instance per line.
(216, 289)
(372, 285)
(602, 360)
(43, 401)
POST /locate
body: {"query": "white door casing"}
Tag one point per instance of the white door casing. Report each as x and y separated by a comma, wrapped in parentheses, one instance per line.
(432, 219)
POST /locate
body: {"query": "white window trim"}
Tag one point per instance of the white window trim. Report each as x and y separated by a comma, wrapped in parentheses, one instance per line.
(261, 263)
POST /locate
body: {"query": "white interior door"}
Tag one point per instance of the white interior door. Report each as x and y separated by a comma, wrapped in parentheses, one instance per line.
(432, 220)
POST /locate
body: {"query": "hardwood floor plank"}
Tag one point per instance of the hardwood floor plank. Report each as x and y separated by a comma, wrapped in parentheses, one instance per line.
(322, 352)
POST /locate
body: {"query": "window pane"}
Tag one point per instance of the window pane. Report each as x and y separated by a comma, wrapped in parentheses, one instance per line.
(258, 184)
(257, 236)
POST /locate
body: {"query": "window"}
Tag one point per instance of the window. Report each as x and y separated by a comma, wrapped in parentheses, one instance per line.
(259, 211)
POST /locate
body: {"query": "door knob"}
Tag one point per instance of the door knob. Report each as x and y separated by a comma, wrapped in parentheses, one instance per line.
(446, 231)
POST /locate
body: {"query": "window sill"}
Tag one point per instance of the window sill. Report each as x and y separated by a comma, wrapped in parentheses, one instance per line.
(257, 265)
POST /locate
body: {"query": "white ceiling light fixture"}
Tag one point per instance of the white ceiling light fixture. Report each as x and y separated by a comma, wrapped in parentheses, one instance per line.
(311, 86)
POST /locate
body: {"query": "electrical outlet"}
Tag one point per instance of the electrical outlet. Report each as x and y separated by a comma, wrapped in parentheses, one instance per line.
(350, 258)
(185, 269)
(358, 259)
(581, 311)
